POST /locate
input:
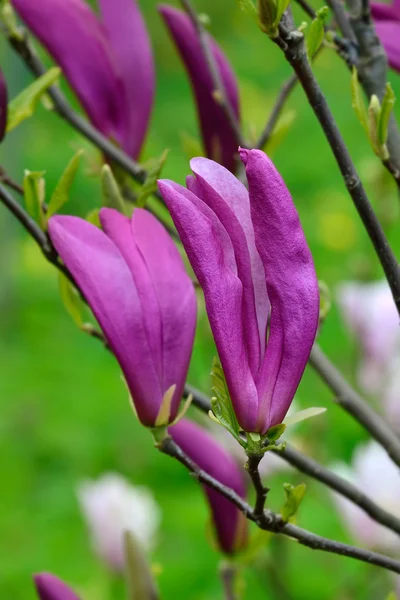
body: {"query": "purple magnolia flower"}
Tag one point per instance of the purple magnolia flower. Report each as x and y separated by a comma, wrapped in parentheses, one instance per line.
(3, 106)
(49, 587)
(230, 524)
(107, 61)
(134, 280)
(218, 138)
(387, 24)
(251, 258)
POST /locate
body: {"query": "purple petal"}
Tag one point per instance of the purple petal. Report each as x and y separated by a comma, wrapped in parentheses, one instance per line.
(291, 282)
(73, 36)
(211, 255)
(211, 457)
(389, 33)
(166, 293)
(229, 199)
(385, 12)
(49, 587)
(128, 37)
(102, 274)
(218, 137)
(3, 106)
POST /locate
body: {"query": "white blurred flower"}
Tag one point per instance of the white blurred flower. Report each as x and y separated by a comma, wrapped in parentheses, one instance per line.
(111, 506)
(378, 477)
(370, 313)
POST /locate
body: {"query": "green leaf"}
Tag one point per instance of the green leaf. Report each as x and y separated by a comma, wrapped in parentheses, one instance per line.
(71, 299)
(316, 32)
(357, 100)
(139, 578)
(387, 106)
(281, 6)
(94, 218)
(248, 8)
(111, 193)
(303, 415)
(274, 433)
(165, 409)
(34, 195)
(268, 16)
(221, 403)
(61, 193)
(23, 106)
(325, 301)
(293, 497)
(150, 185)
(374, 113)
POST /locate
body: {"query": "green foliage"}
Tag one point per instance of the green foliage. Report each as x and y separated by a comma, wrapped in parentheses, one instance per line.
(111, 193)
(153, 173)
(221, 403)
(61, 194)
(275, 432)
(270, 13)
(294, 495)
(34, 195)
(71, 299)
(386, 110)
(315, 34)
(24, 105)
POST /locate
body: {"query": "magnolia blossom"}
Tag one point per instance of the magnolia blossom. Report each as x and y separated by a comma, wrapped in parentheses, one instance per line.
(3, 106)
(387, 24)
(251, 258)
(371, 315)
(230, 524)
(134, 280)
(375, 474)
(49, 587)
(218, 136)
(107, 61)
(112, 506)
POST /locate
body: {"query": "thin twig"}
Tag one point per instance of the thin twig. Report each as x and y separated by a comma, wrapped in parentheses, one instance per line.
(273, 522)
(291, 43)
(284, 94)
(352, 402)
(220, 94)
(228, 573)
(8, 181)
(260, 489)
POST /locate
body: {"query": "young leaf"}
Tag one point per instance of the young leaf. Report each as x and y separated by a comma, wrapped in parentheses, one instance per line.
(274, 433)
(248, 8)
(387, 106)
(73, 303)
(302, 415)
(23, 106)
(268, 16)
(281, 6)
(316, 32)
(165, 409)
(374, 113)
(293, 497)
(221, 403)
(150, 185)
(94, 218)
(111, 193)
(61, 193)
(139, 578)
(34, 195)
(357, 100)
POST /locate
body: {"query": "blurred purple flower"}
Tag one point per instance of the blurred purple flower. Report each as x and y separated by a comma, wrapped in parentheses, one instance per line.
(387, 24)
(373, 472)
(3, 106)
(370, 314)
(111, 507)
(49, 587)
(218, 138)
(240, 245)
(230, 524)
(108, 61)
(135, 282)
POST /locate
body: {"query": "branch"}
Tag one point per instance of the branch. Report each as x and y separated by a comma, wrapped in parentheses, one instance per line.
(273, 522)
(291, 43)
(227, 573)
(220, 94)
(352, 402)
(261, 491)
(8, 181)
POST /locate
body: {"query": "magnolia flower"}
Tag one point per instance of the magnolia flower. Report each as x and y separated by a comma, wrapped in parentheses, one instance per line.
(391, 396)
(218, 138)
(230, 524)
(387, 24)
(375, 474)
(134, 280)
(112, 506)
(241, 244)
(371, 315)
(107, 61)
(3, 106)
(49, 587)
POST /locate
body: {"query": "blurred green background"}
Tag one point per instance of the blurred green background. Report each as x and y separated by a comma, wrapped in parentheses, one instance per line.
(64, 413)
